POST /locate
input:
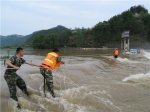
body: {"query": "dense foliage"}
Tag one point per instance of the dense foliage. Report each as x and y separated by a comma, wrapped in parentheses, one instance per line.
(57, 29)
(106, 33)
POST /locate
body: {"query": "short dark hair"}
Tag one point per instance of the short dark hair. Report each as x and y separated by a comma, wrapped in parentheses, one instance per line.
(18, 50)
(55, 50)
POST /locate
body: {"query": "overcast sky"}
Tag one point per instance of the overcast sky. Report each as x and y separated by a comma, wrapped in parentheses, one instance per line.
(26, 16)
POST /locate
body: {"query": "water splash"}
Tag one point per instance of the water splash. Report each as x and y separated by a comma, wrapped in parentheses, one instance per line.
(137, 77)
(147, 55)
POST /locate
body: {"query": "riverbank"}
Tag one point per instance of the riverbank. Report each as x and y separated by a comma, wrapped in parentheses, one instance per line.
(104, 48)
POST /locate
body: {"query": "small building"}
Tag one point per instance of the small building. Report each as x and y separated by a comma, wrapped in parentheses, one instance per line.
(125, 40)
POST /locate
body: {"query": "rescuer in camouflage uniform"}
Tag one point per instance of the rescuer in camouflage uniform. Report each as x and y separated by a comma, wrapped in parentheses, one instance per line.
(11, 76)
(48, 74)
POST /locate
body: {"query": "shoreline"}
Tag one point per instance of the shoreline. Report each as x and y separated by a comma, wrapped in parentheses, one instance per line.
(95, 48)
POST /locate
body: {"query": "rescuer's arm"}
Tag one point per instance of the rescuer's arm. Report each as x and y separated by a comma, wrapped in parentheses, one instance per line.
(32, 64)
(11, 61)
(60, 61)
(11, 65)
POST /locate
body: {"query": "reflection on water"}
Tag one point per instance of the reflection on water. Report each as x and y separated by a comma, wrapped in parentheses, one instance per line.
(90, 81)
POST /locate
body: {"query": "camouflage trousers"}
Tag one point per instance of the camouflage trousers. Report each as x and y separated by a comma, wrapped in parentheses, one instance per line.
(49, 80)
(14, 80)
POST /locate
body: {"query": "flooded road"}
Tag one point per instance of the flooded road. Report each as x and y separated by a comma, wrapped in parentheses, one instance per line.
(90, 81)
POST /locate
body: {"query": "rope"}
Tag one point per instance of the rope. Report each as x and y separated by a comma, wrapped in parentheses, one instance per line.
(44, 82)
(64, 72)
(68, 78)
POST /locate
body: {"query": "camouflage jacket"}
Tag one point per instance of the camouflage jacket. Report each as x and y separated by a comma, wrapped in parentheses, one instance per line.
(15, 61)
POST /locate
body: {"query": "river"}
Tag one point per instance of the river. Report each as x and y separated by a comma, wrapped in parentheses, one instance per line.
(90, 81)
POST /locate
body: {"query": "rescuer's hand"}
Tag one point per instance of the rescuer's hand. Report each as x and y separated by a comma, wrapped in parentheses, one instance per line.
(62, 62)
(16, 67)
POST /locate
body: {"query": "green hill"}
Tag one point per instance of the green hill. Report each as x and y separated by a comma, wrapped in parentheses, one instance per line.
(57, 29)
(17, 40)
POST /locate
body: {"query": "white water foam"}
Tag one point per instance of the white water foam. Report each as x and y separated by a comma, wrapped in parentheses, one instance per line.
(126, 60)
(69, 96)
(122, 60)
(147, 54)
(137, 77)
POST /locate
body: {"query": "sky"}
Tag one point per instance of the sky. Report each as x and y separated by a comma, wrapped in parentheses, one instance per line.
(23, 17)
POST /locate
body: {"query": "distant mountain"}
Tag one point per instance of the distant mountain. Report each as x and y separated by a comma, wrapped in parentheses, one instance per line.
(57, 29)
(17, 40)
(13, 40)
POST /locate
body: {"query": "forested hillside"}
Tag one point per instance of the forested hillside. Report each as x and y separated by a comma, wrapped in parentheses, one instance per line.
(106, 33)
(19, 40)
(57, 30)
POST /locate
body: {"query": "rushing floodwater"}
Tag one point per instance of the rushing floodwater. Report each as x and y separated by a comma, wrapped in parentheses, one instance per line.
(90, 81)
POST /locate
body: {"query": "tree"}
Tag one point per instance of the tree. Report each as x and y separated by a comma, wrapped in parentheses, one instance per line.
(64, 37)
(38, 42)
(46, 42)
(51, 40)
(78, 38)
(138, 9)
